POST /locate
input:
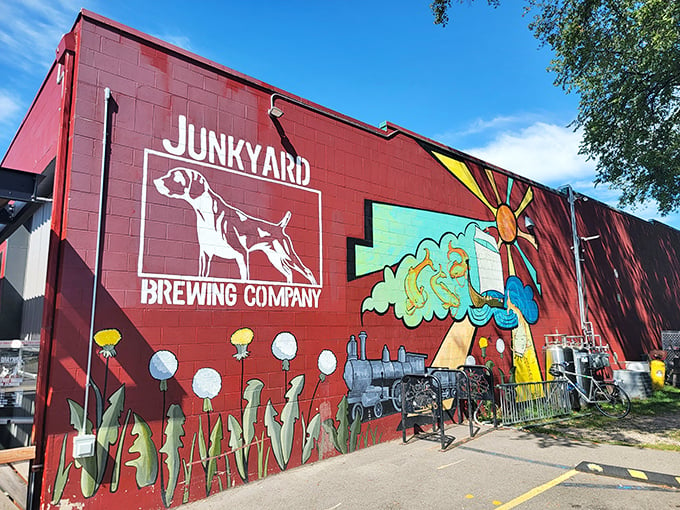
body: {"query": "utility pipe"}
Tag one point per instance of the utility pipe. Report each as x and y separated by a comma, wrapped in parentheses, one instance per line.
(576, 246)
(95, 284)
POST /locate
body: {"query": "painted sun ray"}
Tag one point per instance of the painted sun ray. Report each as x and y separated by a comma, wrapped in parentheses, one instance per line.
(528, 197)
(511, 263)
(528, 237)
(511, 181)
(530, 267)
(461, 172)
(489, 175)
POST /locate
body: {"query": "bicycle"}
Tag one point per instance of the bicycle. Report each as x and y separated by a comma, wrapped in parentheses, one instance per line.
(608, 397)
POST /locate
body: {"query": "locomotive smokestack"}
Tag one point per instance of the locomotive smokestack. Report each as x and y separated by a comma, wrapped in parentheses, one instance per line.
(352, 347)
(362, 338)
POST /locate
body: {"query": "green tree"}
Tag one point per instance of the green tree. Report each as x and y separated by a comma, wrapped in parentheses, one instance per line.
(622, 57)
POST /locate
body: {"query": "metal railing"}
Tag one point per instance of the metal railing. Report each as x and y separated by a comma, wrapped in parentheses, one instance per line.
(523, 402)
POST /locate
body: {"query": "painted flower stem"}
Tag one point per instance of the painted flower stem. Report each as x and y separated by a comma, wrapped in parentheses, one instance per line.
(311, 402)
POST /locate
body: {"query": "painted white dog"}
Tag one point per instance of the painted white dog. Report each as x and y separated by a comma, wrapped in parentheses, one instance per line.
(229, 233)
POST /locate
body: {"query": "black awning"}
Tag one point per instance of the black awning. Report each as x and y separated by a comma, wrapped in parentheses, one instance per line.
(21, 194)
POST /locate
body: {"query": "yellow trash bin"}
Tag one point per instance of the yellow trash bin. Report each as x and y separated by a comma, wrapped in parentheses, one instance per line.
(658, 369)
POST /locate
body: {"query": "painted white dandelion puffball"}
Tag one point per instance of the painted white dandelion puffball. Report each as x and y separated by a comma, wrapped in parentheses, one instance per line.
(207, 383)
(163, 365)
(500, 345)
(327, 362)
(284, 346)
(470, 360)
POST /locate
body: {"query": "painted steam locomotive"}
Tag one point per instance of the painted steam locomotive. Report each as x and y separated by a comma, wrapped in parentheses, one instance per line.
(372, 383)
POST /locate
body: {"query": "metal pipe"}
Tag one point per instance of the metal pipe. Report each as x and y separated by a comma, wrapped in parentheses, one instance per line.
(95, 284)
(576, 240)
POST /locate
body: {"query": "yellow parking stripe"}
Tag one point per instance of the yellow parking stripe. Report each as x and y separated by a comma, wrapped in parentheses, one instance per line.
(538, 490)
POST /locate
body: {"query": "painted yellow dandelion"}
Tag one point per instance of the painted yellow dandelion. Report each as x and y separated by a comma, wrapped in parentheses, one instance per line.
(483, 344)
(241, 338)
(107, 339)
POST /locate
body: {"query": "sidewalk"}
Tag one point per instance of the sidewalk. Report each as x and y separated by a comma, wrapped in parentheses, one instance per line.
(489, 471)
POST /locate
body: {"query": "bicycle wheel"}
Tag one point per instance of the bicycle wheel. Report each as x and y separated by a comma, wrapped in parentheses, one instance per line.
(611, 400)
(483, 414)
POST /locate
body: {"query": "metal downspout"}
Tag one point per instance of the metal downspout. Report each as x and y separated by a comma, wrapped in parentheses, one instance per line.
(66, 53)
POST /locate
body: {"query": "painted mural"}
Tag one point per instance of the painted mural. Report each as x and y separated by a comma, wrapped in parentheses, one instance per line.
(448, 267)
(222, 448)
(432, 266)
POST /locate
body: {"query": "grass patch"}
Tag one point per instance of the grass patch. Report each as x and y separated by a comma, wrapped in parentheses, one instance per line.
(661, 402)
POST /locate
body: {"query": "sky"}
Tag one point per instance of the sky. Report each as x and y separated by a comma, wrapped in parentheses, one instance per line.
(478, 85)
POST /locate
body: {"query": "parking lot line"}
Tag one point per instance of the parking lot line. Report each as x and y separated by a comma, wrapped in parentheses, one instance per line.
(538, 490)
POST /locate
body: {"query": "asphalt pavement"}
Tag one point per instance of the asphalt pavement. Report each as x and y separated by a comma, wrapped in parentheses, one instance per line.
(497, 468)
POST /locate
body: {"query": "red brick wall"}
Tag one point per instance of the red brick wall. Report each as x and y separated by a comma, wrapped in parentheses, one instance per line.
(35, 144)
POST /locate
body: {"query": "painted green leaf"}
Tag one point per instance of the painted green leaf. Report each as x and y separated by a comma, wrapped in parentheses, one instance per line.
(354, 433)
(252, 395)
(235, 443)
(202, 450)
(76, 420)
(343, 426)
(88, 465)
(62, 474)
(329, 427)
(274, 433)
(289, 415)
(311, 436)
(146, 464)
(174, 432)
(214, 451)
(340, 435)
(187, 471)
(115, 476)
(107, 434)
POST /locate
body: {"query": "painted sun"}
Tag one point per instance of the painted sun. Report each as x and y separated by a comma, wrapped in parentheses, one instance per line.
(505, 215)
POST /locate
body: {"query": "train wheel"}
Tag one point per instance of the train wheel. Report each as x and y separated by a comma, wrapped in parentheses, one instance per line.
(378, 409)
(357, 410)
(396, 395)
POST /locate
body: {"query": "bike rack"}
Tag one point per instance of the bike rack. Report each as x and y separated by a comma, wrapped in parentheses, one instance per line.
(460, 388)
(480, 386)
(421, 404)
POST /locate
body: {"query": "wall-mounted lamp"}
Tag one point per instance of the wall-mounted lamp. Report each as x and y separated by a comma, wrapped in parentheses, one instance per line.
(274, 111)
(530, 225)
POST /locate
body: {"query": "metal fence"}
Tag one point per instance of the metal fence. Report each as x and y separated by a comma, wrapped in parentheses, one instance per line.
(522, 402)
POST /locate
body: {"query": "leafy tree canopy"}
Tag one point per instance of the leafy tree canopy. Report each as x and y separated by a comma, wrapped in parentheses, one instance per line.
(622, 57)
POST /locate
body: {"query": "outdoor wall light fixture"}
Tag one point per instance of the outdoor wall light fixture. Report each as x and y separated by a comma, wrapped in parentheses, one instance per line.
(530, 225)
(274, 111)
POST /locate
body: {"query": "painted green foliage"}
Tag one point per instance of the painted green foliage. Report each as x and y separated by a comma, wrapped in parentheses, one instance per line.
(146, 463)
(151, 463)
(174, 431)
(214, 451)
(241, 438)
(93, 468)
(345, 436)
(310, 434)
(62, 473)
(281, 434)
(188, 468)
